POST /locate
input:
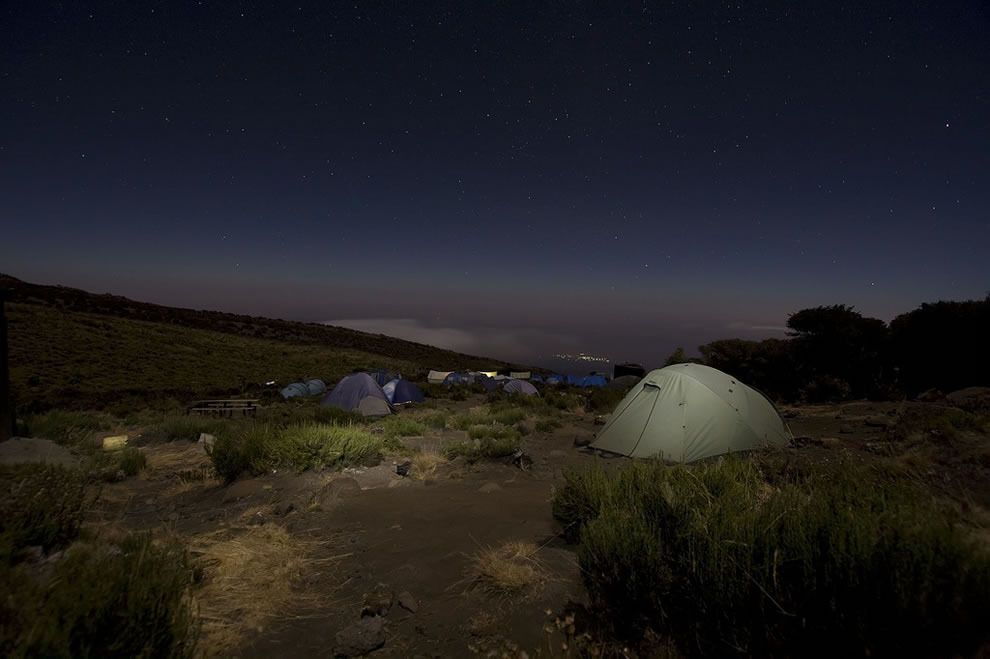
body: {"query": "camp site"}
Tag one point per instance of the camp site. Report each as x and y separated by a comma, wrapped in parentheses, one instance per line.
(508, 330)
(284, 497)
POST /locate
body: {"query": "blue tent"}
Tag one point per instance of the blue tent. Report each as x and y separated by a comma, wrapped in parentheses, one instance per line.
(315, 387)
(593, 381)
(407, 392)
(519, 387)
(295, 389)
(359, 392)
(489, 383)
(382, 376)
(459, 377)
(536, 377)
(556, 378)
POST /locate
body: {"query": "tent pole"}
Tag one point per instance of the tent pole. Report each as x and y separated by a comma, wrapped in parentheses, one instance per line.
(6, 406)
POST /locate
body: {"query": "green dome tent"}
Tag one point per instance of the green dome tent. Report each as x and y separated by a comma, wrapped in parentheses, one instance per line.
(686, 412)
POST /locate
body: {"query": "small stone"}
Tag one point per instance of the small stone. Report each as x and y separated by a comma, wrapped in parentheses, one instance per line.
(378, 602)
(403, 468)
(407, 601)
(364, 636)
(490, 486)
(879, 422)
(600, 420)
(582, 441)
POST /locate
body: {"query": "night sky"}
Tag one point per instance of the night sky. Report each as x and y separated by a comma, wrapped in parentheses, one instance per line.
(512, 179)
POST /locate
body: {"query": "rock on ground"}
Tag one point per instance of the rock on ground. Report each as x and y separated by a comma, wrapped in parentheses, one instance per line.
(359, 639)
(23, 450)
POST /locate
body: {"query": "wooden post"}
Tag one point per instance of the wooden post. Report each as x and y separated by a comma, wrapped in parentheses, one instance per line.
(6, 406)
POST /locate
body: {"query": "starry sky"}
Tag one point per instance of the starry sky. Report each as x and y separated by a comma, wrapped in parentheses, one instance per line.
(512, 179)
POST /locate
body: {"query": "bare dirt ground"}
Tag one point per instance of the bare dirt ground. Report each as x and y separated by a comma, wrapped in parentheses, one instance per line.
(311, 550)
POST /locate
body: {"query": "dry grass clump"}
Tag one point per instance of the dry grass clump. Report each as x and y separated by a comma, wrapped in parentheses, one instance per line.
(251, 579)
(509, 569)
(426, 463)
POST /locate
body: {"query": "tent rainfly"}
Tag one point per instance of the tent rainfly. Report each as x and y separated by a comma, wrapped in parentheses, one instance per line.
(519, 387)
(359, 392)
(687, 412)
(437, 377)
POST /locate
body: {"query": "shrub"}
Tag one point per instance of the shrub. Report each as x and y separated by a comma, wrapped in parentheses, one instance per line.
(833, 563)
(546, 425)
(304, 446)
(233, 455)
(396, 426)
(335, 415)
(40, 505)
(492, 431)
(603, 399)
(68, 427)
(508, 417)
(465, 420)
(127, 600)
(131, 460)
(488, 447)
(436, 419)
(188, 427)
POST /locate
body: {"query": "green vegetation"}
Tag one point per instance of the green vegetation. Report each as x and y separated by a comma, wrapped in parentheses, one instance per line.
(40, 505)
(489, 447)
(760, 558)
(603, 400)
(52, 365)
(128, 599)
(263, 447)
(185, 427)
(398, 426)
(436, 419)
(125, 599)
(546, 424)
(67, 426)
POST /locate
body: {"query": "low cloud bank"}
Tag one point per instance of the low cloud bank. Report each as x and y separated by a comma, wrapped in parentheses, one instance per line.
(510, 343)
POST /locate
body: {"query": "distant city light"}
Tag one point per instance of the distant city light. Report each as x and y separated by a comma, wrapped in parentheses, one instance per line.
(582, 357)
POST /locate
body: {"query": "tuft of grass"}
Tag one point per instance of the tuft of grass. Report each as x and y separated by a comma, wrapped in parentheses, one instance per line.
(508, 569)
(464, 420)
(181, 426)
(397, 426)
(237, 566)
(129, 599)
(844, 560)
(486, 447)
(508, 417)
(40, 505)
(546, 424)
(67, 426)
(434, 419)
(130, 460)
(492, 431)
(426, 463)
(263, 447)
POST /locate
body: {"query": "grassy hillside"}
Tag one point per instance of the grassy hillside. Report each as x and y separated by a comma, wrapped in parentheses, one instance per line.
(69, 348)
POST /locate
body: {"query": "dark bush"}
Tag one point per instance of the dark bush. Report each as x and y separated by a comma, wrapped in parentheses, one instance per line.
(842, 562)
(40, 505)
(125, 600)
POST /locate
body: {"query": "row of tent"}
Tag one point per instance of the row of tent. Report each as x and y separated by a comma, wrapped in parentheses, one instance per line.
(451, 378)
(680, 413)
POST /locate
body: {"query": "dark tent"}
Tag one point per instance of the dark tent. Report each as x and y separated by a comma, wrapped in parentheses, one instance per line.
(459, 377)
(520, 387)
(359, 392)
(382, 376)
(593, 381)
(315, 387)
(407, 392)
(295, 389)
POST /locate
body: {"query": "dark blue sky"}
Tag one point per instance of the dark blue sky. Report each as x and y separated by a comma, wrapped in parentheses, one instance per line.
(515, 179)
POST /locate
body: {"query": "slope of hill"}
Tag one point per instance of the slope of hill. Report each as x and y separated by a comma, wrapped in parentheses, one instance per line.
(73, 348)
